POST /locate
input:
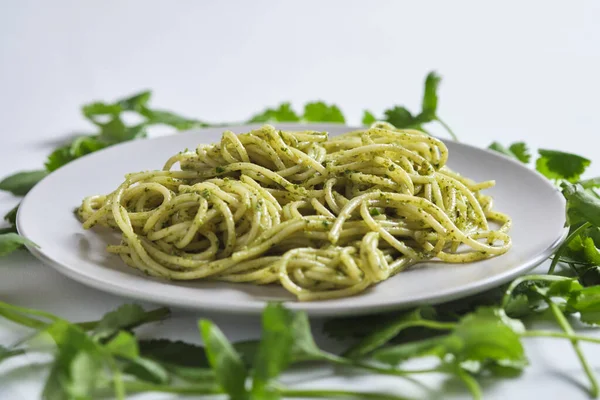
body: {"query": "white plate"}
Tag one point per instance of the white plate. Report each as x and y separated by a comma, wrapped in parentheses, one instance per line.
(46, 217)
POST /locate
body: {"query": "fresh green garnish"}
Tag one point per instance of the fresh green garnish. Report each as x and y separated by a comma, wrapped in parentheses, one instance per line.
(11, 241)
(516, 150)
(470, 338)
(20, 183)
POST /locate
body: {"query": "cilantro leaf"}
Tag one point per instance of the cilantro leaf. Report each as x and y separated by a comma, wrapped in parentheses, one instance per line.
(11, 216)
(131, 103)
(488, 334)
(518, 306)
(590, 183)
(521, 152)
(275, 349)
(169, 118)
(304, 347)
(227, 364)
(556, 165)
(283, 113)
(174, 352)
(79, 147)
(22, 182)
(321, 112)
(518, 151)
(590, 277)
(582, 206)
(430, 97)
(368, 118)
(10, 242)
(135, 102)
(76, 351)
(93, 110)
(124, 345)
(84, 369)
(587, 302)
(400, 117)
(114, 131)
(126, 317)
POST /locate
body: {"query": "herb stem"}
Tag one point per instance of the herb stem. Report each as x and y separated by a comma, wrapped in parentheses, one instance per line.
(560, 335)
(118, 383)
(22, 319)
(22, 310)
(379, 338)
(470, 382)
(140, 386)
(447, 128)
(373, 368)
(563, 246)
(328, 394)
(564, 324)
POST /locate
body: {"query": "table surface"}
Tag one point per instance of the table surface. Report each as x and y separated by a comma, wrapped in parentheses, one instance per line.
(512, 71)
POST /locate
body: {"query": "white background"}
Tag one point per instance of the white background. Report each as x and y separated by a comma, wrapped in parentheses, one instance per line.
(512, 70)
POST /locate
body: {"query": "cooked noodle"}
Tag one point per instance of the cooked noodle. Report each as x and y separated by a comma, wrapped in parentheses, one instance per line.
(323, 217)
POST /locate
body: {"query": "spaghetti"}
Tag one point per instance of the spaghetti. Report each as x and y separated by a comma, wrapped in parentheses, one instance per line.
(324, 217)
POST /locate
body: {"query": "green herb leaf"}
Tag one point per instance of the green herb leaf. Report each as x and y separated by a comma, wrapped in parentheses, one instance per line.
(368, 118)
(321, 112)
(395, 355)
(79, 147)
(488, 334)
(93, 110)
(582, 206)
(283, 113)
(430, 97)
(169, 118)
(11, 216)
(587, 302)
(114, 131)
(400, 117)
(521, 152)
(10, 242)
(135, 102)
(123, 344)
(590, 183)
(84, 370)
(304, 347)
(229, 369)
(22, 182)
(518, 151)
(590, 277)
(557, 165)
(75, 350)
(146, 370)
(174, 352)
(384, 334)
(126, 317)
(275, 350)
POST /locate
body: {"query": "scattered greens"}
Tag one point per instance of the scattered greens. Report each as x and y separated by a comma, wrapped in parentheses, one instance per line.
(467, 339)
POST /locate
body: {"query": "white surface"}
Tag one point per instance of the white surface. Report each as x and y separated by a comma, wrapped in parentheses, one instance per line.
(534, 204)
(513, 70)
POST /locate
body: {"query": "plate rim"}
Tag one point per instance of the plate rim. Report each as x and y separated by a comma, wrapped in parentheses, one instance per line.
(109, 286)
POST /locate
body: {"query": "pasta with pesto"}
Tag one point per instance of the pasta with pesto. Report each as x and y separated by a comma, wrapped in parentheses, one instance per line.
(323, 217)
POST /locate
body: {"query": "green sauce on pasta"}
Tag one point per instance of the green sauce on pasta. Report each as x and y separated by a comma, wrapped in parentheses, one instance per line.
(323, 217)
